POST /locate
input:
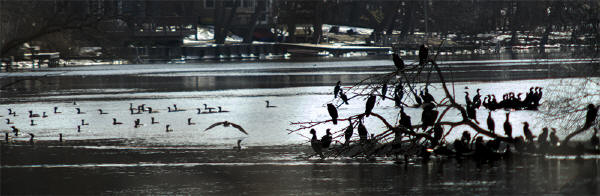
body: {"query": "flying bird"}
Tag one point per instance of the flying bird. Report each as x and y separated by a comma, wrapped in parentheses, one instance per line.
(332, 112)
(226, 124)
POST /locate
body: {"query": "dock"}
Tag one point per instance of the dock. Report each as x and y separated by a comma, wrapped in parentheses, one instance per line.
(336, 50)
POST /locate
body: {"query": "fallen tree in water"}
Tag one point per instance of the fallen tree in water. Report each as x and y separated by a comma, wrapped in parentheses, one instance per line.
(429, 137)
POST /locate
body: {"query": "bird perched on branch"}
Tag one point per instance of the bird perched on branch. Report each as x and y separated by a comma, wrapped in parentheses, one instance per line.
(417, 98)
(369, 105)
(553, 137)
(344, 97)
(226, 124)
(477, 99)
(405, 119)
(507, 127)
(316, 145)
(336, 89)
(362, 132)
(490, 123)
(528, 135)
(590, 117)
(398, 62)
(348, 133)
(384, 90)
(326, 139)
(333, 113)
(428, 116)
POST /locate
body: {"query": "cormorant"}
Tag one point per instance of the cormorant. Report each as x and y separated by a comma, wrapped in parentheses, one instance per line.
(79, 111)
(167, 128)
(154, 122)
(362, 131)
(438, 133)
(115, 122)
(427, 98)
(239, 146)
(226, 124)
(344, 97)
(590, 117)
(472, 113)
(78, 128)
(398, 62)
(528, 135)
(477, 99)
(269, 106)
(56, 110)
(60, 137)
(417, 98)
(15, 130)
(221, 110)
(101, 112)
(369, 105)
(543, 137)
(32, 115)
(336, 89)
(326, 139)
(507, 127)
(333, 113)
(8, 122)
(405, 119)
(428, 116)
(189, 122)
(6, 137)
(32, 123)
(467, 99)
(44, 115)
(348, 133)
(31, 138)
(383, 90)
(490, 123)
(316, 144)
(83, 122)
(466, 137)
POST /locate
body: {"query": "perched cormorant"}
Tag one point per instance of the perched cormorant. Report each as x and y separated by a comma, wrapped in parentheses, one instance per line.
(362, 132)
(472, 113)
(490, 123)
(467, 99)
(226, 124)
(543, 137)
(383, 90)
(344, 97)
(316, 144)
(239, 146)
(428, 116)
(590, 117)
(417, 98)
(333, 113)
(398, 62)
(477, 99)
(507, 127)
(348, 133)
(369, 105)
(405, 119)
(528, 135)
(438, 133)
(326, 139)
(336, 89)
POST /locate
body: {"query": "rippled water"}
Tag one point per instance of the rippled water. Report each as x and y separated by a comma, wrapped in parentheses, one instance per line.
(121, 159)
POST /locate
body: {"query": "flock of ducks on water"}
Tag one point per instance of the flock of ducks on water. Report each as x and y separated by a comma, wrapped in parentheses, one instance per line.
(140, 109)
(427, 102)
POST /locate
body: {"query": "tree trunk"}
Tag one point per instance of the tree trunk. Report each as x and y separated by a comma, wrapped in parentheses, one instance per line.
(223, 24)
(291, 28)
(248, 38)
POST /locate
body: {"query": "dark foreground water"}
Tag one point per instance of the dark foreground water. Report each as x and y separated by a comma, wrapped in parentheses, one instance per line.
(119, 159)
(277, 170)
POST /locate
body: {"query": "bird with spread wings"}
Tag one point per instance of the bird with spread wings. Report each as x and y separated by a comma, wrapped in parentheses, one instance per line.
(226, 124)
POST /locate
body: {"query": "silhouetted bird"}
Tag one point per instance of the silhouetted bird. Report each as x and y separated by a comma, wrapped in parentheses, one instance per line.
(428, 116)
(369, 105)
(221, 109)
(115, 122)
(226, 124)
(348, 133)
(438, 133)
(336, 89)
(362, 132)
(83, 123)
(32, 115)
(333, 113)
(467, 99)
(490, 123)
(344, 97)
(528, 135)
(167, 128)
(423, 53)
(383, 90)
(78, 128)
(239, 145)
(56, 110)
(44, 115)
(472, 113)
(31, 138)
(543, 137)
(507, 127)
(398, 62)
(427, 98)
(189, 121)
(8, 122)
(405, 119)
(6, 137)
(553, 137)
(101, 112)
(32, 123)
(269, 106)
(326, 139)
(153, 121)
(15, 130)
(316, 145)
(60, 137)
(79, 111)
(417, 98)
(590, 117)
(477, 99)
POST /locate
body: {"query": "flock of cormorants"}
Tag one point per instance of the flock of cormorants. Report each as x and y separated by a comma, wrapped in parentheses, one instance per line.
(140, 109)
(464, 146)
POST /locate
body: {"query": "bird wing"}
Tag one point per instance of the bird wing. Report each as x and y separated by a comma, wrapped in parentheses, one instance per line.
(239, 128)
(214, 125)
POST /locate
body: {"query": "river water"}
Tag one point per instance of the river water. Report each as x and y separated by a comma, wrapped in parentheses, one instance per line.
(103, 158)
